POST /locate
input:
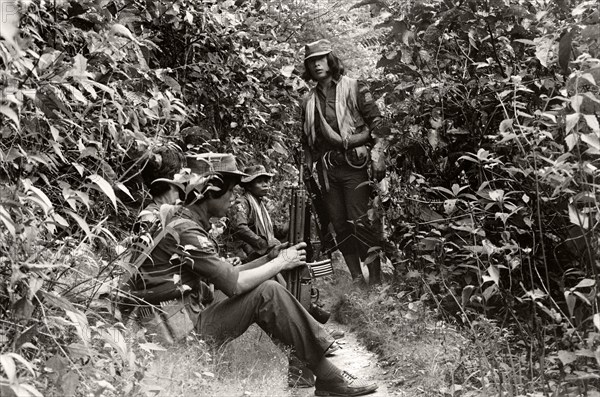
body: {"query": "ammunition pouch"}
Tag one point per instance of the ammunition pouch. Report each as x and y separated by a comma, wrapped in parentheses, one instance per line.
(172, 320)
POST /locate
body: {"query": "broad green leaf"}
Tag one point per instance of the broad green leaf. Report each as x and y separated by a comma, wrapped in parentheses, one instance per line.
(591, 139)
(57, 301)
(582, 297)
(368, 2)
(566, 357)
(589, 77)
(77, 95)
(121, 30)
(466, 294)
(124, 189)
(9, 21)
(443, 189)
(31, 390)
(149, 347)
(60, 220)
(279, 148)
(494, 274)
(572, 120)
(105, 187)
(44, 201)
(586, 283)
(287, 70)
(592, 122)
(26, 363)
(571, 140)
(115, 338)
(81, 325)
(544, 49)
(8, 112)
(506, 125)
(82, 224)
(576, 101)
(497, 195)
(8, 222)
(79, 69)
(571, 300)
(578, 218)
(9, 367)
(450, 206)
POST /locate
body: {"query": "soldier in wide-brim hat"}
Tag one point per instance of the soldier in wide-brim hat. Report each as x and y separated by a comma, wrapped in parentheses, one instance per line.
(187, 257)
(251, 226)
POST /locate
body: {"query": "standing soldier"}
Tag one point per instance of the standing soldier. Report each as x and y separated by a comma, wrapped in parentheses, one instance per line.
(341, 134)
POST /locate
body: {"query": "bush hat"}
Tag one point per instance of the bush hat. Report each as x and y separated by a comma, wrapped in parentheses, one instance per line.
(201, 171)
(317, 49)
(214, 164)
(254, 171)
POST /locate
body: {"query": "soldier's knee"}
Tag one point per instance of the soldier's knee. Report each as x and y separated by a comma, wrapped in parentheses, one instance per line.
(270, 287)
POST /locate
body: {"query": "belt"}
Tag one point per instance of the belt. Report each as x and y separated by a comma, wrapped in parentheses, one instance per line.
(333, 158)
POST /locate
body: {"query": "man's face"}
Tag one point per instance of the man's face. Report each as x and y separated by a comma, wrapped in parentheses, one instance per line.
(218, 207)
(260, 186)
(319, 68)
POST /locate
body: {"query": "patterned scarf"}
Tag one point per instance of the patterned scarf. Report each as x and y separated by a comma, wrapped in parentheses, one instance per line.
(264, 225)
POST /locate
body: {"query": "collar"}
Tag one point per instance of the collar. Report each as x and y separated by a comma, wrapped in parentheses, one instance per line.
(332, 84)
(196, 213)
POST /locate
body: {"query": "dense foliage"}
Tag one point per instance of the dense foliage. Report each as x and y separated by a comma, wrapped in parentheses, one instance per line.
(491, 195)
(494, 161)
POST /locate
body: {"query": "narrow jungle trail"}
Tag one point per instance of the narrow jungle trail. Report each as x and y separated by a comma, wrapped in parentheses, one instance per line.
(353, 357)
(398, 344)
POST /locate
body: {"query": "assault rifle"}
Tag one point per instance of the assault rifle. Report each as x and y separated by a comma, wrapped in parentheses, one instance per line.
(302, 202)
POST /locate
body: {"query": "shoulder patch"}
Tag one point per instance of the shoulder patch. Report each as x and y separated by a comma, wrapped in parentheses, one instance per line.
(204, 242)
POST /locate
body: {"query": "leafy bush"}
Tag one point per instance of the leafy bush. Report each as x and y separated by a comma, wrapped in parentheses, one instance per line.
(495, 153)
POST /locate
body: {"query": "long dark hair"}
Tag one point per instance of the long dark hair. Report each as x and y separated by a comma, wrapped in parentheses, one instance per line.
(164, 162)
(335, 66)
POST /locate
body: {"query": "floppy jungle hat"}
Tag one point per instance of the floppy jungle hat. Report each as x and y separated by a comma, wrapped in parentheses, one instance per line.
(254, 171)
(213, 164)
(317, 49)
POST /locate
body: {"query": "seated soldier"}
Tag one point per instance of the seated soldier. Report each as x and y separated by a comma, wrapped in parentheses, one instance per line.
(187, 256)
(251, 224)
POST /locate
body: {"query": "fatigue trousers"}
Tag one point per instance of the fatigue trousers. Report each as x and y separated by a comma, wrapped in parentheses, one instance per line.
(347, 203)
(276, 311)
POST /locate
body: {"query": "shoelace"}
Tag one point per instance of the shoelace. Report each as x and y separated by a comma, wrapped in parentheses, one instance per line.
(348, 377)
(353, 381)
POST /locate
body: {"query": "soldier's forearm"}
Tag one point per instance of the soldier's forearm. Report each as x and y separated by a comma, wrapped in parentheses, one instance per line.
(255, 263)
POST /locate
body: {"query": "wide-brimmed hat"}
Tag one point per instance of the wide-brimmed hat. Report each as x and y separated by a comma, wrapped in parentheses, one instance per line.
(317, 49)
(254, 171)
(202, 169)
(213, 164)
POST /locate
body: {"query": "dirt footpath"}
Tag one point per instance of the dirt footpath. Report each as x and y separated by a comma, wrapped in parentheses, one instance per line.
(356, 359)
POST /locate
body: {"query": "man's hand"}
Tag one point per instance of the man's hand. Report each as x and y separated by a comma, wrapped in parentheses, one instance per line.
(276, 250)
(294, 256)
(235, 261)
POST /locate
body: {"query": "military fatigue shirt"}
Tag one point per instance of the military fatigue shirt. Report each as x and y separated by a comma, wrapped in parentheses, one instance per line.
(187, 258)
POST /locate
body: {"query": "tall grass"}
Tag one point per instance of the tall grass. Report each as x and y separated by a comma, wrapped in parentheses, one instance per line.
(251, 365)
